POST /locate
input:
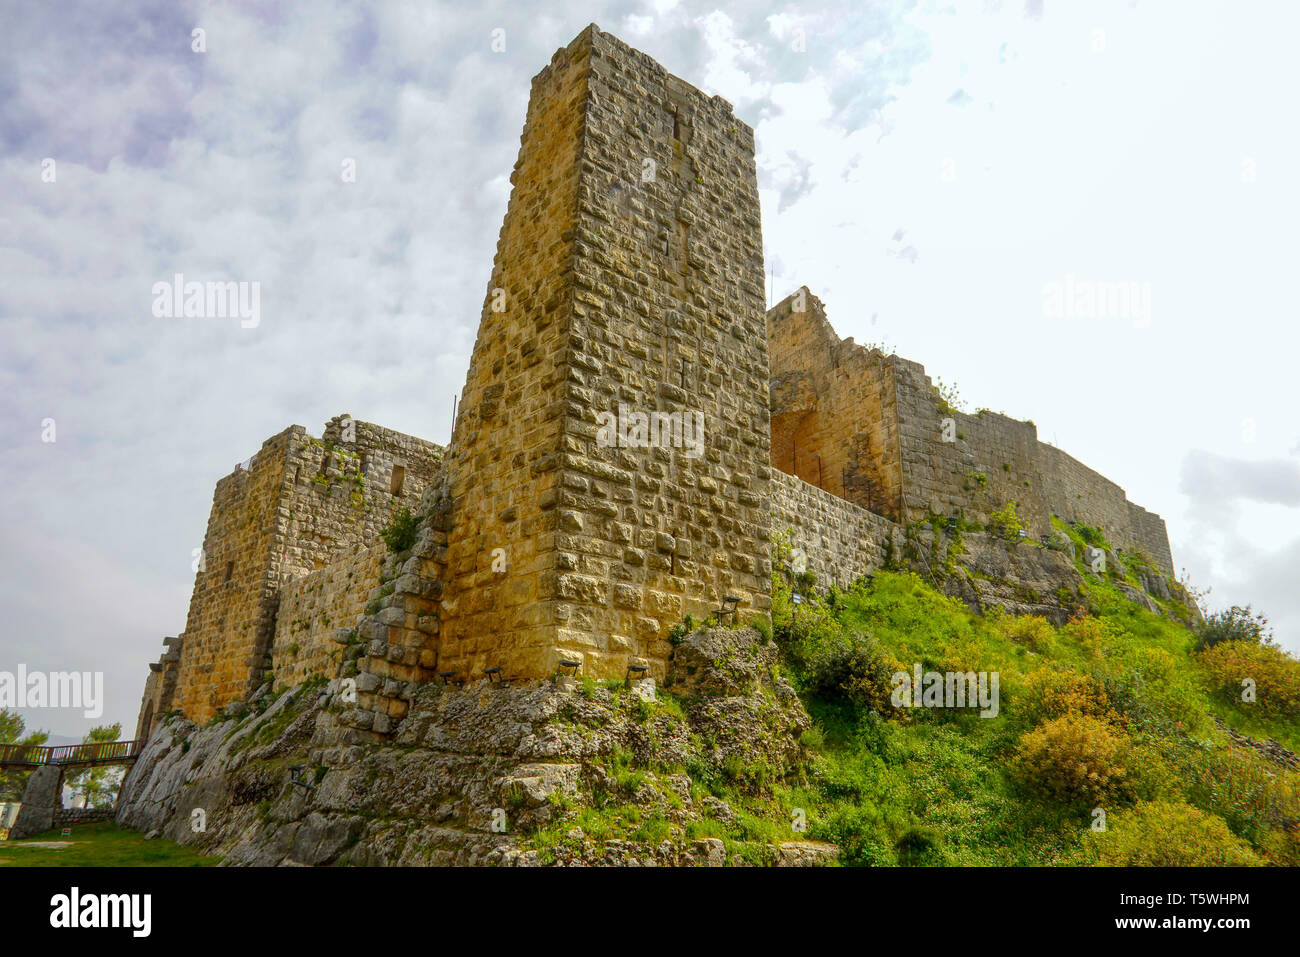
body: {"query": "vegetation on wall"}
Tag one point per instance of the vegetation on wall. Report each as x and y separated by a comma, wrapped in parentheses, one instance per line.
(402, 531)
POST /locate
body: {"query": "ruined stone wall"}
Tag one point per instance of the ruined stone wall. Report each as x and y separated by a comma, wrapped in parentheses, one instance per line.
(990, 462)
(160, 687)
(871, 428)
(1078, 494)
(232, 608)
(834, 415)
(631, 266)
(508, 433)
(841, 541)
(1151, 536)
(345, 487)
(314, 607)
(296, 506)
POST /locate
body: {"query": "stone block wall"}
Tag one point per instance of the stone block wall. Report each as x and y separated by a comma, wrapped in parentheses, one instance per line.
(834, 414)
(232, 608)
(840, 540)
(160, 687)
(72, 816)
(991, 462)
(631, 265)
(294, 507)
(314, 607)
(871, 428)
(1078, 494)
(508, 436)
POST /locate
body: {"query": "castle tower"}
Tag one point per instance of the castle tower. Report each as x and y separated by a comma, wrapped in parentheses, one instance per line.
(628, 277)
(297, 505)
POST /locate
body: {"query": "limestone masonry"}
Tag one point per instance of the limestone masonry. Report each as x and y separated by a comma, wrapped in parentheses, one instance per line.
(627, 285)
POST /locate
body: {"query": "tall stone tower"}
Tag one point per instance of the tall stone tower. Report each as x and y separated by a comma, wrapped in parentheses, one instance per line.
(628, 280)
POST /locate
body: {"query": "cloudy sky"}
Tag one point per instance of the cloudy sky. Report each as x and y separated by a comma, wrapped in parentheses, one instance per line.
(930, 170)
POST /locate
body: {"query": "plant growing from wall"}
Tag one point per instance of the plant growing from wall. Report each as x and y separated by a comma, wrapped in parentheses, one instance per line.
(950, 400)
(402, 530)
(1006, 522)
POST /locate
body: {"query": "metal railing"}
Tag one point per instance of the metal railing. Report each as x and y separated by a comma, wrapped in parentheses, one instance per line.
(28, 755)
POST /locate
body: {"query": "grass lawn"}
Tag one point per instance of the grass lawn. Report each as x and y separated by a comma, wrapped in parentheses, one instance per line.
(100, 845)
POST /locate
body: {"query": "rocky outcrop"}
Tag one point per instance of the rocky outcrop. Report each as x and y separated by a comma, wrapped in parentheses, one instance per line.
(42, 799)
(1271, 750)
(987, 570)
(1021, 578)
(486, 774)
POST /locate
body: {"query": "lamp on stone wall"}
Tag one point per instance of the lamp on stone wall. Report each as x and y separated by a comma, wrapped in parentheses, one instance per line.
(296, 779)
(729, 607)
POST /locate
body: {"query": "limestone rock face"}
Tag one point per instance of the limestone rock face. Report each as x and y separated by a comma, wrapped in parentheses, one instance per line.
(731, 683)
(41, 801)
(1022, 579)
(473, 775)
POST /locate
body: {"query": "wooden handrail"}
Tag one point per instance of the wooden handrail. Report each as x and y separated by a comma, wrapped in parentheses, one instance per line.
(104, 752)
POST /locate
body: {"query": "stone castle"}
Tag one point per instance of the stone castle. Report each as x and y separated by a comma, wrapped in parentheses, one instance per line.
(628, 282)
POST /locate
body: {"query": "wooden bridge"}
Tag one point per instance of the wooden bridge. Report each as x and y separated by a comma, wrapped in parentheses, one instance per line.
(70, 755)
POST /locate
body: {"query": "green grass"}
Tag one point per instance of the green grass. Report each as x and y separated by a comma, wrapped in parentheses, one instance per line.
(937, 786)
(101, 845)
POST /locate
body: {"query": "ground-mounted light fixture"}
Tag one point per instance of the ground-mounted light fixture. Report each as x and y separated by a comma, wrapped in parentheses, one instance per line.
(296, 779)
(729, 607)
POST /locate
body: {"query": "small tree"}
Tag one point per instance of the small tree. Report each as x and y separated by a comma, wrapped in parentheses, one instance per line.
(950, 400)
(99, 784)
(12, 727)
(1234, 624)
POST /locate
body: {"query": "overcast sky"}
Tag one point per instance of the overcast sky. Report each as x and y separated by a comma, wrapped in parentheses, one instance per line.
(927, 169)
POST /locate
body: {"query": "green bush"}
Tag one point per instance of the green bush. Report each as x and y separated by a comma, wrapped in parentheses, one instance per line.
(1167, 834)
(1032, 630)
(1050, 693)
(402, 531)
(1073, 758)
(854, 669)
(1234, 624)
(1153, 689)
(1091, 535)
(920, 847)
(1241, 787)
(1276, 676)
(1007, 522)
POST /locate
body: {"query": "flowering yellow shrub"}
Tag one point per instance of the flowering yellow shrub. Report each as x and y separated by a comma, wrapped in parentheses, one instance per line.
(1274, 673)
(1090, 633)
(1032, 630)
(1073, 757)
(1053, 692)
(1167, 834)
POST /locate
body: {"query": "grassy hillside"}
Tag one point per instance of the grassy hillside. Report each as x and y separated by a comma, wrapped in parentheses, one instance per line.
(1107, 718)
